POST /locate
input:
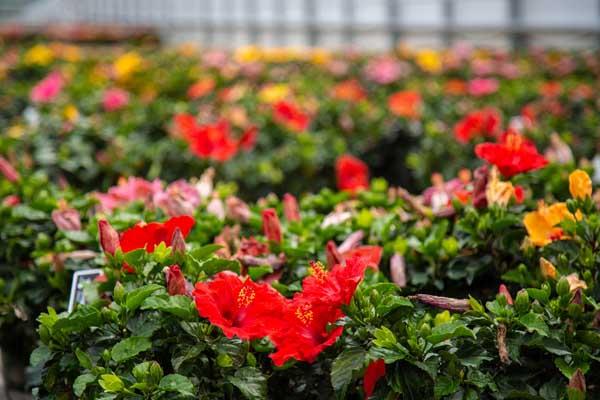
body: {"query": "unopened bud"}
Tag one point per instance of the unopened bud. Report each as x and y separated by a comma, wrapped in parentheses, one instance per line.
(290, 208)
(333, 255)
(178, 242)
(577, 381)
(9, 172)
(109, 237)
(271, 225)
(503, 291)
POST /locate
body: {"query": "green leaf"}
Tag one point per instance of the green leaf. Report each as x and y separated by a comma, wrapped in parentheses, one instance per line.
(83, 317)
(384, 337)
(111, 383)
(391, 303)
(534, 322)
(40, 356)
(137, 296)
(81, 383)
(180, 306)
(259, 271)
(449, 330)
(84, 360)
(130, 347)
(250, 382)
(177, 383)
(444, 386)
(28, 213)
(343, 367)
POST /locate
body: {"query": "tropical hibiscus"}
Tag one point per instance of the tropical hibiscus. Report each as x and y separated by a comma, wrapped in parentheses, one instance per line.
(213, 141)
(201, 88)
(291, 116)
(542, 224)
(352, 174)
(240, 307)
(350, 90)
(114, 99)
(143, 235)
(484, 122)
(304, 330)
(406, 103)
(335, 287)
(370, 255)
(513, 154)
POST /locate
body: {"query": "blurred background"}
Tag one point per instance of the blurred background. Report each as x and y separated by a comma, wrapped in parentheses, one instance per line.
(366, 25)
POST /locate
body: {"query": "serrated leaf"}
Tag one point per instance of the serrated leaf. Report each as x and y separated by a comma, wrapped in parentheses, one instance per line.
(250, 382)
(344, 366)
(137, 296)
(534, 323)
(449, 330)
(130, 347)
(177, 383)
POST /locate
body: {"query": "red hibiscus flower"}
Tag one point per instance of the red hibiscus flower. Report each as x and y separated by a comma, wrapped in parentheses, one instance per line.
(513, 154)
(271, 225)
(406, 103)
(374, 372)
(303, 331)
(290, 116)
(484, 122)
(239, 307)
(352, 174)
(371, 255)
(335, 287)
(248, 138)
(148, 236)
(212, 141)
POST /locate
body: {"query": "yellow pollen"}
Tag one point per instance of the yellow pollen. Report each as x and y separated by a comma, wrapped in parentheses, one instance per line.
(318, 271)
(245, 296)
(514, 141)
(304, 313)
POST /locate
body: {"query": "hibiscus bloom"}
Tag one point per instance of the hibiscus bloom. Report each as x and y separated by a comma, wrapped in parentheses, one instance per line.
(48, 88)
(127, 191)
(290, 116)
(352, 174)
(483, 86)
(179, 198)
(484, 122)
(374, 372)
(542, 224)
(513, 154)
(248, 138)
(149, 235)
(335, 287)
(212, 141)
(239, 307)
(406, 103)
(304, 330)
(370, 255)
(114, 99)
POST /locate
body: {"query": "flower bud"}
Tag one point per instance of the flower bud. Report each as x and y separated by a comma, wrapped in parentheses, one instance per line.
(11, 201)
(580, 184)
(290, 208)
(9, 172)
(178, 242)
(503, 291)
(271, 225)
(522, 301)
(577, 381)
(398, 270)
(237, 210)
(175, 280)
(66, 219)
(333, 255)
(562, 287)
(118, 292)
(109, 238)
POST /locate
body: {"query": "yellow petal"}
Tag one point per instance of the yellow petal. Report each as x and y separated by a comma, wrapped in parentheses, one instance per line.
(580, 184)
(547, 268)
